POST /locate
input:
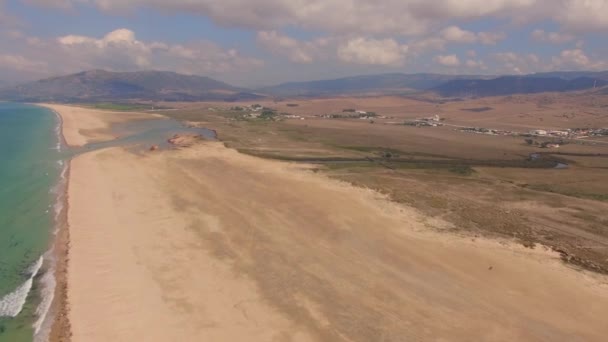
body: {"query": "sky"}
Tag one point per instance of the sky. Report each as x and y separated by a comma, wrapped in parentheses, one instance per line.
(264, 42)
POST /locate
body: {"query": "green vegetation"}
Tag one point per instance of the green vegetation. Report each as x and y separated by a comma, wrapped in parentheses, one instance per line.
(268, 114)
(566, 192)
(463, 170)
(123, 107)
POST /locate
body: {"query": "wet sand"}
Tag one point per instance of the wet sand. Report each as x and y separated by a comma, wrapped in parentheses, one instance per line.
(205, 243)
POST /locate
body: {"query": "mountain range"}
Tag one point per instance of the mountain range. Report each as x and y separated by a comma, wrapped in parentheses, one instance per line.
(508, 85)
(384, 83)
(100, 85)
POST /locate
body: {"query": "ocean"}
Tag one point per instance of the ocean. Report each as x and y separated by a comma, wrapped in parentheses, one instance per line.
(32, 177)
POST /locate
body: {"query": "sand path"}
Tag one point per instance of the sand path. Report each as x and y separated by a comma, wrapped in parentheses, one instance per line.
(206, 244)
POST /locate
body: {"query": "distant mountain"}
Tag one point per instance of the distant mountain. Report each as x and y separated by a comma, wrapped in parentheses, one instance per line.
(508, 85)
(100, 85)
(571, 75)
(371, 84)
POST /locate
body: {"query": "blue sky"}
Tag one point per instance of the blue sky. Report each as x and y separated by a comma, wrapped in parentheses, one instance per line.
(263, 42)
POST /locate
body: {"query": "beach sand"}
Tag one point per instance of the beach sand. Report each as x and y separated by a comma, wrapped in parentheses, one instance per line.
(85, 125)
(206, 244)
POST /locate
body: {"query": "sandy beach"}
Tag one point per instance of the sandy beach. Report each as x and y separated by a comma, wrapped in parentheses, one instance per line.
(206, 244)
(86, 125)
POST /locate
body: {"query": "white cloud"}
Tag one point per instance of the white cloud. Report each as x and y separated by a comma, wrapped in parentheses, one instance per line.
(514, 63)
(297, 51)
(576, 59)
(21, 63)
(447, 60)
(490, 38)
(363, 17)
(475, 64)
(351, 50)
(120, 50)
(455, 35)
(582, 15)
(372, 51)
(75, 40)
(552, 37)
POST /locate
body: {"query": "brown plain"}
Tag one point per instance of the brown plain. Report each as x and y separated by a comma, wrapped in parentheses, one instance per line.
(206, 243)
(482, 184)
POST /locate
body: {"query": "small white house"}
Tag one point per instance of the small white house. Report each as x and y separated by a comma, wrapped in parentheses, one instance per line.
(539, 132)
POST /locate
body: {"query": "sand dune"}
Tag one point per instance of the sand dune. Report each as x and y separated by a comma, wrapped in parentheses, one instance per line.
(206, 244)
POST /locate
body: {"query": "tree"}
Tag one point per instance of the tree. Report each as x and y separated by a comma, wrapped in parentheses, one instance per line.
(267, 114)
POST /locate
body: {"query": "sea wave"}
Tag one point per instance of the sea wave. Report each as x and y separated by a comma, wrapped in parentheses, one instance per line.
(59, 132)
(48, 283)
(42, 325)
(12, 303)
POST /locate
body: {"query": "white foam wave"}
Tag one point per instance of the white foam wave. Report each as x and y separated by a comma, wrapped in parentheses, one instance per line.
(59, 191)
(48, 283)
(58, 132)
(12, 304)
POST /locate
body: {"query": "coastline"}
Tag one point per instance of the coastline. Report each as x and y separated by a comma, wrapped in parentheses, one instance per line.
(56, 319)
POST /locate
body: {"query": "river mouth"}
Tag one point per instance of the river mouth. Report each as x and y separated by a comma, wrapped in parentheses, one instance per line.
(140, 135)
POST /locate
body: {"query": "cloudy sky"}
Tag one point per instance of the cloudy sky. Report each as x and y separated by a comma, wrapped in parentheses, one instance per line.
(261, 42)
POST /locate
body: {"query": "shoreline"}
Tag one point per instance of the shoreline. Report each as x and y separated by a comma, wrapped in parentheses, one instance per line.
(56, 319)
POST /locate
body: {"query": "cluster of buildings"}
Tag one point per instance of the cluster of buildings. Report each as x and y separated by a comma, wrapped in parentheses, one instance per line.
(257, 111)
(291, 116)
(433, 121)
(251, 108)
(574, 133)
(590, 132)
(489, 131)
(352, 114)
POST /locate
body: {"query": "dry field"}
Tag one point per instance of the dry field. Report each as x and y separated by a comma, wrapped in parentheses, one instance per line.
(484, 185)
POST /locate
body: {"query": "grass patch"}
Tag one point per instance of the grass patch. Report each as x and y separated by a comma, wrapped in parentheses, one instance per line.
(122, 107)
(565, 192)
(477, 110)
(463, 170)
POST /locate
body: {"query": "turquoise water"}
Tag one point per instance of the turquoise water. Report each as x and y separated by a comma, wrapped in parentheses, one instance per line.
(30, 170)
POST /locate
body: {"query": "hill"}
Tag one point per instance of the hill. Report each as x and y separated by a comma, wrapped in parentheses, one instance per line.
(100, 85)
(508, 85)
(384, 84)
(571, 75)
